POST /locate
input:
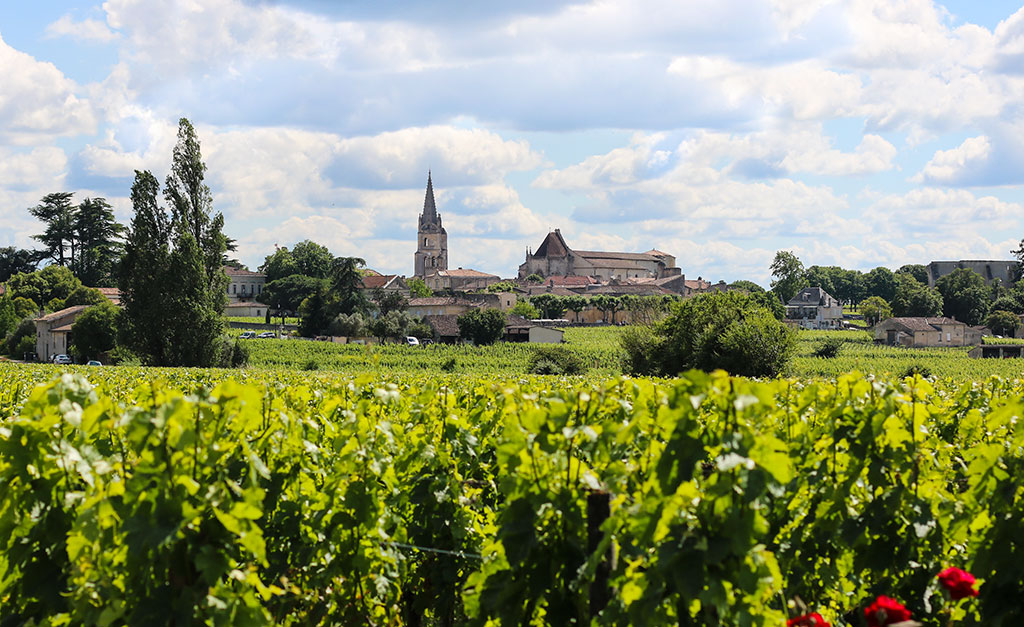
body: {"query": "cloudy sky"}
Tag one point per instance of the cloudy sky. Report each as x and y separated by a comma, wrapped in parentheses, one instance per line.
(857, 133)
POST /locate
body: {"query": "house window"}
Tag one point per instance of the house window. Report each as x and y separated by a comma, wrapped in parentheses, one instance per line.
(947, 337)
(234, 288)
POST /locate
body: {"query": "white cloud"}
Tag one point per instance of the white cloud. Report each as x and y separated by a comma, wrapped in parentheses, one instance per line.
(947, 166)
(37, 101)
(86, 30)
(44, 167)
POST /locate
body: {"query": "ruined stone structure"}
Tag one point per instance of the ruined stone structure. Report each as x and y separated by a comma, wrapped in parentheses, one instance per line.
(432, 239)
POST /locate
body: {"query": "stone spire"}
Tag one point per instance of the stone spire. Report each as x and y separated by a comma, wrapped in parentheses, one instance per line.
(429, 208)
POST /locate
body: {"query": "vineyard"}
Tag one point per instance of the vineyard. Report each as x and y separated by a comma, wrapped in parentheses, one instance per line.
(180, 496)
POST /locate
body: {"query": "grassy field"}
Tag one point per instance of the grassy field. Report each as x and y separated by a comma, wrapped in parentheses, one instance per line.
(599, 348)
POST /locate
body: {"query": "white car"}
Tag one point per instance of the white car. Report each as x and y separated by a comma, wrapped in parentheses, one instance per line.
(411, 341)
(267, 334)
(61, 359)
(247, 335)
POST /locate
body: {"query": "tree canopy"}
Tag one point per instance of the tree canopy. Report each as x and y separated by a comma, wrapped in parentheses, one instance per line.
(482, 326)
(964, 296)
(789, 275)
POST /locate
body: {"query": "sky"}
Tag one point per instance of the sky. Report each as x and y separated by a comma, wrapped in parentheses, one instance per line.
(858, 133)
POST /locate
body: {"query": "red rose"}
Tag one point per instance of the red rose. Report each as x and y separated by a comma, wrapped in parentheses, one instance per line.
(808, 620)
(885, 611)
(958, 583)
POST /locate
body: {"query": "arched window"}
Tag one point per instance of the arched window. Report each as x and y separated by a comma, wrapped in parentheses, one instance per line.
(426, 242)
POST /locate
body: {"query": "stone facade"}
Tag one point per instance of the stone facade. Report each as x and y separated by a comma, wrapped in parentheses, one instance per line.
(53, 330)
(554, 258)
(244, 285)
(921, 332)
(814, 308)
(431, 238)
(990, 269)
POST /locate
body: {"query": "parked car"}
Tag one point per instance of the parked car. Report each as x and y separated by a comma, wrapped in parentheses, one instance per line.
(411, 341)
(247, 335)
(93, 362)
(61, 359)
(267, 334)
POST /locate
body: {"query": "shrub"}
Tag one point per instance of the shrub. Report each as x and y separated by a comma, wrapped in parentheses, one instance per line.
(448, 365)
(828, 347)
(122, 356)
(482, 326)
(918, 369)
(22, 340)
(310, 365)
(555, 360)
(732, 330)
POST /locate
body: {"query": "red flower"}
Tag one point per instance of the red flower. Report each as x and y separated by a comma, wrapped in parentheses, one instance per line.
(885, 611)
(808, 620)
(959, 583)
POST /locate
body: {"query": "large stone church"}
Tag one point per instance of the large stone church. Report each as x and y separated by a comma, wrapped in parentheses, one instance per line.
(554, 258)
(432, 240)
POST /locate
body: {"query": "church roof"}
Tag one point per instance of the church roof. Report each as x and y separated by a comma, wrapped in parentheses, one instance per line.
(552, 246)
(597, 254)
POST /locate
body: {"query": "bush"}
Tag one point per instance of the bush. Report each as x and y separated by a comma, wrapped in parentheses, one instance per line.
(448, 365)
(122, 356)
(310, 365)
(828, 347)
(482, 326)
(733, 331)
(555, 360)
(918, 369)
(22, 340)
(640, 344)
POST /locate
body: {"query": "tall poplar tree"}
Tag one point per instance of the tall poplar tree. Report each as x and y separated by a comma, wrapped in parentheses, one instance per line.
(172, 282)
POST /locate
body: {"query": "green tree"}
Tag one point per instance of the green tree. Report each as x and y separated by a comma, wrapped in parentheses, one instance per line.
(24, 307)
(312, 259)
(749, 286)
(964, 296)
(1003, 322)
(875, 309)
(501, 286)
(142, 272)
(916, 270)
(94, 332)
(881, 282)
(171, 278)
(285, 295)
(387, 302)
(534, 278)
(418, 288)
(482, 326)
(825, 277)
(83, 295)
(99, 246)
(391, 325)
(729, 330)
(18, 261)
(57, 213)
(914, 299)
(279, 265)
(43, 286)
(8, 315)
(525, 309)
(607, 305)
(849, 286)
(550, 306)
(576, 304)
(191, 206)
(789, 275)
(346, 279)
(348, 325)
(315, 312)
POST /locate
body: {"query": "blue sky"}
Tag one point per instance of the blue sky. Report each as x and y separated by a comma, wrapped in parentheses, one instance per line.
(857, 133)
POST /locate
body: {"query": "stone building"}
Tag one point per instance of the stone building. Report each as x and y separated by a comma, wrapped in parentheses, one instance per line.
(814, 308)
(244, 285)
(431, 238)
(925, 332)
(989, 269)
(554, 258)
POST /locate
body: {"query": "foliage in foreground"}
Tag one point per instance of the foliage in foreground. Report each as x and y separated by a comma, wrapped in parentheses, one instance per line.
(299, 500)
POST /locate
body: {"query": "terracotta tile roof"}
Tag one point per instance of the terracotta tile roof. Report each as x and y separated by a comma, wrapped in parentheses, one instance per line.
(921, 324)
(698, 284)
(378, 280)
(62, 329)
(434, 301)
(654, 252)
(632, 290)
(566, 281)
(445, 326)
(67, 311)
(369, 272)
(469, 273)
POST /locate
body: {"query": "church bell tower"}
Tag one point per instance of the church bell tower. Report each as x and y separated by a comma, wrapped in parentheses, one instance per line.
(432, 239)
